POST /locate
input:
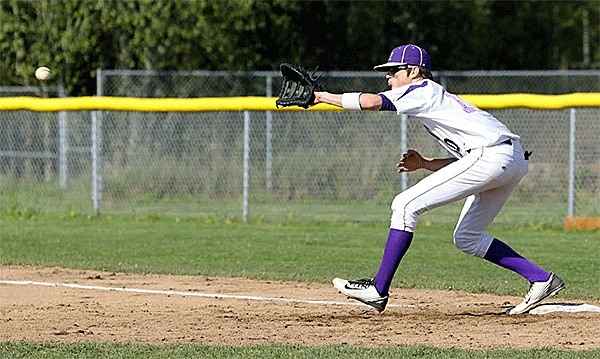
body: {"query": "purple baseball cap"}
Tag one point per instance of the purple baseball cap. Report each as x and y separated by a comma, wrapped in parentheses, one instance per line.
(406, 55)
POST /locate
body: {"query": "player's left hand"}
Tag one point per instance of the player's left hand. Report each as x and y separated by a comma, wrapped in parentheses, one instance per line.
(410, 161)
(298, 87)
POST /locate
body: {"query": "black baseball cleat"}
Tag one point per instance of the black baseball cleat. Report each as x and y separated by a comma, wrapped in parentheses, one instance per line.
(362, 290)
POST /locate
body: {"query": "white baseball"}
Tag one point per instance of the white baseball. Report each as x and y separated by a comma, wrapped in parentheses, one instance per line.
(43, 73)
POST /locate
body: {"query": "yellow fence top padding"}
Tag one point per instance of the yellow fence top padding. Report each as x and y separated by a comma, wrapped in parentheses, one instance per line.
(525, 100)
(254, 103)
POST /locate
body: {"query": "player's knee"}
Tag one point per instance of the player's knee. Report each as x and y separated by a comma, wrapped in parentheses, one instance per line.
(404, 215)
(472, 243)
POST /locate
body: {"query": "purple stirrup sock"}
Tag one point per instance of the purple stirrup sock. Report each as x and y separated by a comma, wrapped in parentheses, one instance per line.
(396, 246)
(501, 254)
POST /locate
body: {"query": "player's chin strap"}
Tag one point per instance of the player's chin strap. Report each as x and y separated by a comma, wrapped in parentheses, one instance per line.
(527, 155)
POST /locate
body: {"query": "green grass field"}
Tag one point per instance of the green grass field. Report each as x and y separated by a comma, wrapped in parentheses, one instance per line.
(94, 350)
(19, 200)
(297, 251)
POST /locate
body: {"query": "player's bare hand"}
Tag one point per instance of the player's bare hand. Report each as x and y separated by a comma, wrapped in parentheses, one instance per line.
(318, 96)
(411, 161)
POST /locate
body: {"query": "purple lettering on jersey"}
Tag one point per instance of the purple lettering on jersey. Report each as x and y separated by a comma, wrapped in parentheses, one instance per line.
(467, 107)
(386, 104)
(414, 87)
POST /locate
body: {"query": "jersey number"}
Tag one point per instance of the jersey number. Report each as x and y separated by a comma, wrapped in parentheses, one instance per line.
(451, 144)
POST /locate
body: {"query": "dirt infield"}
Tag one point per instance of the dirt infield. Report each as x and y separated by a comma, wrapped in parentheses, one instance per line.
(250, 312)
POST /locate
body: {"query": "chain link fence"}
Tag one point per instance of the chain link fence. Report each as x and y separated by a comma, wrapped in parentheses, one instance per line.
(278, 166)
(140, 83)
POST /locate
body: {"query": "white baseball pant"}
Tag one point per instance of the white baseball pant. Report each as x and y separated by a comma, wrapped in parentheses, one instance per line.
(485, 177)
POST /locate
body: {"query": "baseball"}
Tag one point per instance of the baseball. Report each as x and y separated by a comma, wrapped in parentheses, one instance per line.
(43, 73)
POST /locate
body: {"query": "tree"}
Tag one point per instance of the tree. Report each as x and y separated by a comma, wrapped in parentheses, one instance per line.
(74, 37)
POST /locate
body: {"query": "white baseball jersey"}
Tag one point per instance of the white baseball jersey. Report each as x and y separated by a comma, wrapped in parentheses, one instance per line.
(488, 169)
(456, 124)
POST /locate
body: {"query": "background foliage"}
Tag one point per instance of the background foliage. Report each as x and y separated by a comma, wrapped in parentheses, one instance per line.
(75, 37)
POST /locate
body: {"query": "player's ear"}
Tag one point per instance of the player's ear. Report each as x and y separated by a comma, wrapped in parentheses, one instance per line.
(416, 72)
(425, 73)
(413, 73)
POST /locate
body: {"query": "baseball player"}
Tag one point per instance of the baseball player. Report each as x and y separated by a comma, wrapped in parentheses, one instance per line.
(486, 164)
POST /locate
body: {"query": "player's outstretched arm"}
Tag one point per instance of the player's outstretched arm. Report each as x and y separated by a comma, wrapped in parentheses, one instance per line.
(412, 161)
(366, 101)
(329, 98)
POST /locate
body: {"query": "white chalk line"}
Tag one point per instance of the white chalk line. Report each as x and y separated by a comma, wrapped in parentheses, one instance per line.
(192, 294)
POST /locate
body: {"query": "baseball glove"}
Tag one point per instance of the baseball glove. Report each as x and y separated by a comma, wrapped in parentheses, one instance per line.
(298, 87)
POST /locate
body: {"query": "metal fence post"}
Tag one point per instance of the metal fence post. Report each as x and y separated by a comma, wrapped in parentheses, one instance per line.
(95, 163)
(572, 119)
(269, 129)
(403, 148)
(95, 150)
(246, 179)
(63, 142)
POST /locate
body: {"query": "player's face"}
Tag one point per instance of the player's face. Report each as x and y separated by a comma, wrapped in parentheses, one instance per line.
(400, 76)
